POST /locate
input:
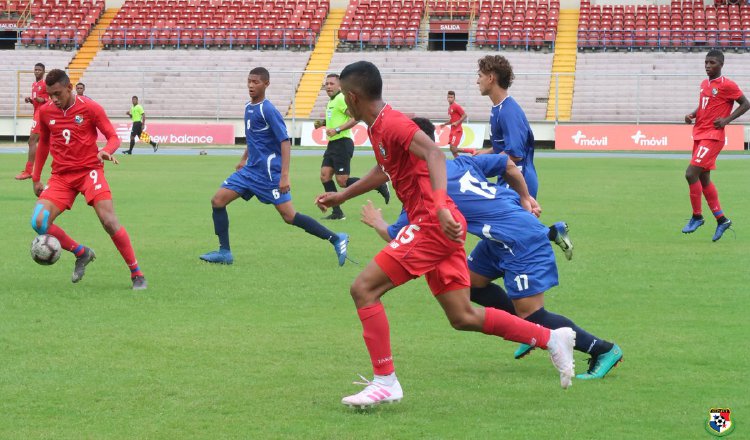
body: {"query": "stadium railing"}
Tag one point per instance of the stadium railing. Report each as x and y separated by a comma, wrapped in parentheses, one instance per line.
(662, 39)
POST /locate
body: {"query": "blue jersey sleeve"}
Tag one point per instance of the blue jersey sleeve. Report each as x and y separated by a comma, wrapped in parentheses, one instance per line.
(276, 122)
(491, 165)
(402, 221)
(515, 131)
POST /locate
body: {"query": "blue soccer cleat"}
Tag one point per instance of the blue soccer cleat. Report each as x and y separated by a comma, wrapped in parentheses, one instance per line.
(340, 246)
(692, 225)
(563, 240)
(601, 365)
(222, 256)
(522, 351)
(720, 228)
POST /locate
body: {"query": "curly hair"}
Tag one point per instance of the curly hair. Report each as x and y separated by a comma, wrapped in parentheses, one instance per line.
(500, 67)
(57, 76)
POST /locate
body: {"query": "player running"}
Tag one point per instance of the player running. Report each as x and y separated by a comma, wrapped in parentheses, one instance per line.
(513, 246)
(38, 97)
(263, 172)
(718, 95)
(337, 158)
(456, 117)
(68, 130)
(432, 245)
(510, 133)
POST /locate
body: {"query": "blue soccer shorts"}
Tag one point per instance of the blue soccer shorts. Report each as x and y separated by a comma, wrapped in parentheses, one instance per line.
(247, 188)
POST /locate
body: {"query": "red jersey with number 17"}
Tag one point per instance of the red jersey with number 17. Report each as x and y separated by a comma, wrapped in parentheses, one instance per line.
(455, 112)
(391, 135)
(38, 90)
(70, 135)
(716, 101)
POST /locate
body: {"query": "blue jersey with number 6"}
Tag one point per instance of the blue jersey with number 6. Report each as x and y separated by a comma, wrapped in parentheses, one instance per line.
(265, 130)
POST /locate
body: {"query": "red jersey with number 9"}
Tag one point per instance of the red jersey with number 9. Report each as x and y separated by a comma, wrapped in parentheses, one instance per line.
(391, 135)
(716, 101)
(70, 135)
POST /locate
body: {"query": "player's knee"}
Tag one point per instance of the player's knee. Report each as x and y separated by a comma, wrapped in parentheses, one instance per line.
(40, 219)
(217, 202)
(361, 292)
(341, 180)
(110, 224)
(463, 321)
(288, 217)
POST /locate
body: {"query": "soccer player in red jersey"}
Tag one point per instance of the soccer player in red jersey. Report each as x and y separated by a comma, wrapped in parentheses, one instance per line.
(37, 98)
(432, 245)
(457, 116)
(717, 97)
(68, 130)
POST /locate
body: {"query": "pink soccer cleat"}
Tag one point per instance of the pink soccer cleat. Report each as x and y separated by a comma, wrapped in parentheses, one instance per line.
(374, 394)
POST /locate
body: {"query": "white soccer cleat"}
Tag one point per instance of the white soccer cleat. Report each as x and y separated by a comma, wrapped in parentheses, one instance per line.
(374, 394)
(560, 347)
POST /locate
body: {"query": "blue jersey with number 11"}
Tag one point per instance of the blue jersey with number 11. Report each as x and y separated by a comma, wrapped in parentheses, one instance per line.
(265, 130)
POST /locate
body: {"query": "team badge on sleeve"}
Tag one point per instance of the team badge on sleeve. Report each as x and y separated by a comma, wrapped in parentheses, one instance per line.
(719, 422)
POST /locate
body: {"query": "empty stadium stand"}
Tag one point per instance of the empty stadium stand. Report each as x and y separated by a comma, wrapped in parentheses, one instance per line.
(411, 81)
(517, 23)
(189, 84)
(208, 23)
(644, 86)
(687, 24)
(60, 23)
(382, 23)
(15, 86)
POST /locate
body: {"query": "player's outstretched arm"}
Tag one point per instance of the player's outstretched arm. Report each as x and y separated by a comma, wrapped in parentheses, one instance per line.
(104, 125)
(242, 162)
(515, 180)
(424, 148)
(42, 151)
(690, 116)
(286, 154)
(373, 179)
(373, 217)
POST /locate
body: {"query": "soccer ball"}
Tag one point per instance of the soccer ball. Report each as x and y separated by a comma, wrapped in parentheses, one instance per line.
(45, 249)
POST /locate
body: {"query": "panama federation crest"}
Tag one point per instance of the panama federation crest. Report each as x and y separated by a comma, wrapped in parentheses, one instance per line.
(714, 91)
(79, 119)
(719, 422)
(382, 149)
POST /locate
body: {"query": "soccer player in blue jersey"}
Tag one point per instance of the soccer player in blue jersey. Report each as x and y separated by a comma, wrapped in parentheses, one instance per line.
(510, 133)
(513, 245)
(263, 172)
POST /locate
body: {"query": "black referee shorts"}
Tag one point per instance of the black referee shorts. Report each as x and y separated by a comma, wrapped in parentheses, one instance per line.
(137, 129)
(338, 156)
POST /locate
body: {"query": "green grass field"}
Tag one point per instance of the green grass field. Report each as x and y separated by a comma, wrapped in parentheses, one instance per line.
(266, 348)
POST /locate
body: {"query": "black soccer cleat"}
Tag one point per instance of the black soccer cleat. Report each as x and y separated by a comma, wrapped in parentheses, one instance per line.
(384, 191)
(81, 262)
(139, 283)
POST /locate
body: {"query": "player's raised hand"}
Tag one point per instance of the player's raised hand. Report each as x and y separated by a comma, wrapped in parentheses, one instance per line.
(689, 118)
(103, 155)
(451, 228)
(371, 216)
(327, 200)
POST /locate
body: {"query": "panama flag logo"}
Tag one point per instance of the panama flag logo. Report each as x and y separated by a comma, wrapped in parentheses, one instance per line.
(719, 422)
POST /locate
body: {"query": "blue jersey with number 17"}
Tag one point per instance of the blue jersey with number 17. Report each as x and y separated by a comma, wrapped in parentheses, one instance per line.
(492, 211)
(265, 130)
(510, 133)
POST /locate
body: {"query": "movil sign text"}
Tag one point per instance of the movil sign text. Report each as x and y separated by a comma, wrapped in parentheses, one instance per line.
(644, 141)
(581, 139)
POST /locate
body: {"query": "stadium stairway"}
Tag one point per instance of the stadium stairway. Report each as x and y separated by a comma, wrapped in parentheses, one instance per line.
(90, 46)
(320, 59)
(564, 63)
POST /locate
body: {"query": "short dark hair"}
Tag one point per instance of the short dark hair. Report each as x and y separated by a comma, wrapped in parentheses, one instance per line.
(500, 67)
(262, 72)
(333, 75)
(134, 97)
(81, 84)
(716, 53)
(425, 125)
(57, 76)
(451, 93)
(40, 65)
(365, 77)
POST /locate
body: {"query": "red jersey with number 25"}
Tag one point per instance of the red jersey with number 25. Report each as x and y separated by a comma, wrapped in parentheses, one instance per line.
(391, 135)
(38, 90)
(70, 136)
(455, 112)
(716, 101)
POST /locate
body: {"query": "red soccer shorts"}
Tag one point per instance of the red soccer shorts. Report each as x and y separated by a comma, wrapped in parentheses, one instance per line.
(423, 249)
(62, 189)
(35, 124)
(705, 152)
(455, 136)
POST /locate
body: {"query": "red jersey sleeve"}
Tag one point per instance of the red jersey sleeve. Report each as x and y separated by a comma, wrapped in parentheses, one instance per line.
(105, 126)
(42, 148)
(401, 133)
(458, 109)
(733, 91)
